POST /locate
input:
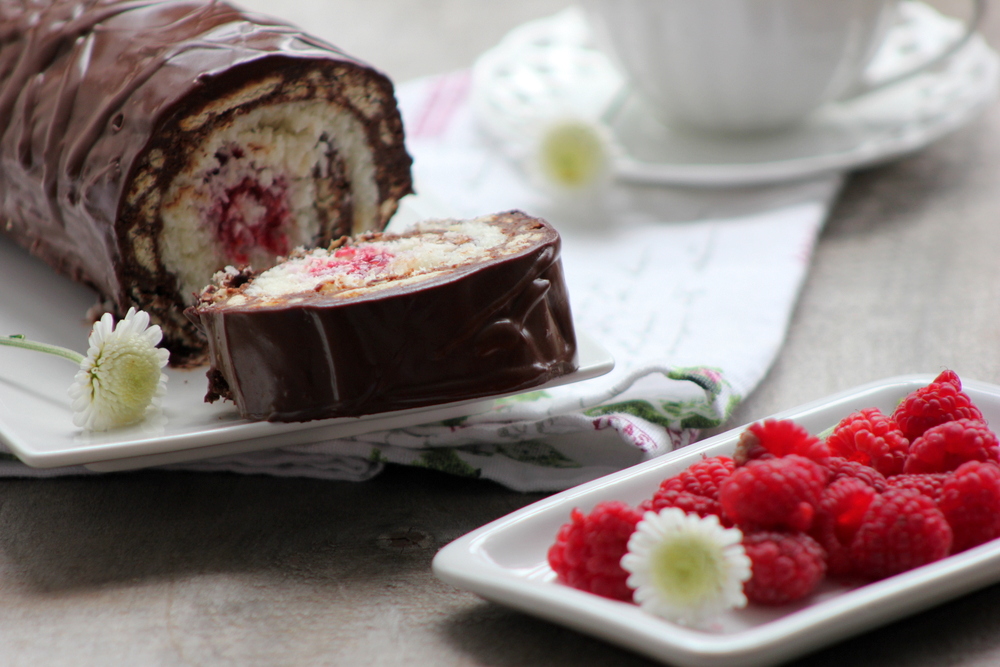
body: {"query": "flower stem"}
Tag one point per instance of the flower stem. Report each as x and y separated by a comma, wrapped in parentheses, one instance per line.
(18, 340)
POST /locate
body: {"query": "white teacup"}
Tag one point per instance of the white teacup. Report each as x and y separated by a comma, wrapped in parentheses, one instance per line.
(741, 66)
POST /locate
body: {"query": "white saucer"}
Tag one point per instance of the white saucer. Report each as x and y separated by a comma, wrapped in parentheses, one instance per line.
(866, 130)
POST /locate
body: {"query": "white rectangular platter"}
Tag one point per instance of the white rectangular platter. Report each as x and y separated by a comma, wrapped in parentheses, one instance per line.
(36, 419)
(505, 561)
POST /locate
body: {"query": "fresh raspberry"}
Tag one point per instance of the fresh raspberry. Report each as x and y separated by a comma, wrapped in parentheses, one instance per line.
(701, 478)
(840, 468)
(941, 401)
(695, 489)
(773, 438)
(902, 529)
(842, 506)
(970, 501)
(588, 549)
(692, 503)
(786, 566)
(871, 438)
(774, 493)
(928, 484)
(944, 447)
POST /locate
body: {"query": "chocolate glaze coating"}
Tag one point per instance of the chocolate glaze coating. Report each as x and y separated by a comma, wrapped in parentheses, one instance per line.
(503, 325)
(95, 97)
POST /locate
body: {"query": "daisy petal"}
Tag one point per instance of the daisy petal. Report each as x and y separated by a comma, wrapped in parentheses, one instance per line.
(686, 568)
(121, 378)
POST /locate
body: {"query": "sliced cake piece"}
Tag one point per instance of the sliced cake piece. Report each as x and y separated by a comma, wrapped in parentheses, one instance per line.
(146, 145)
(448, 311)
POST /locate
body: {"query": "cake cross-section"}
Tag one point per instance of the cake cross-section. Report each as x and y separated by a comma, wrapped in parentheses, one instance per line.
(146, 145)
(447, 311)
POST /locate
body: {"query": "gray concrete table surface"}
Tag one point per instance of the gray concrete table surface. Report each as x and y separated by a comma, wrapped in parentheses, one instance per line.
(170, 568)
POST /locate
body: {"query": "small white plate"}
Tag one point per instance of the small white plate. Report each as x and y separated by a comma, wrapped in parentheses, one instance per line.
(505, 561)
(36, 419)
(867, 130)
(552, 63)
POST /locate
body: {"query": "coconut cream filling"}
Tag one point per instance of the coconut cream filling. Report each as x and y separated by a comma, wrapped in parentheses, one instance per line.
(351, 270)
(253, 189)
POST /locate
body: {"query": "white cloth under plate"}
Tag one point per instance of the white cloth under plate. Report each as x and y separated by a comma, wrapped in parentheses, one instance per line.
(697, 286)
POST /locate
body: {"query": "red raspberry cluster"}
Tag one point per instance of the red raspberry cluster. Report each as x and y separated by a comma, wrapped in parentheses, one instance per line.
(881, 494)
(588, 549)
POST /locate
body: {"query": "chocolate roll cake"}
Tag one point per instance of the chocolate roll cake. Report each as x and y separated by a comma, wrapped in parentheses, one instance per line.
(145, 145)
(450, 310)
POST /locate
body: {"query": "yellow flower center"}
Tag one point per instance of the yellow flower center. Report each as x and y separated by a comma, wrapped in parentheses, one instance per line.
(125, 378)
(572, 154)
(686, 569)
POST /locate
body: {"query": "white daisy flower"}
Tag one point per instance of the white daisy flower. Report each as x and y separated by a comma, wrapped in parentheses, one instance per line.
(120, 378)
(572, 155)
(685, 568)
(547, 95)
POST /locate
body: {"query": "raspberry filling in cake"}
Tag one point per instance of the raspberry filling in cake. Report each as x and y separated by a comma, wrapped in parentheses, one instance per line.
(260, 185)
(251, 216)
(375, 261)
(361, 262)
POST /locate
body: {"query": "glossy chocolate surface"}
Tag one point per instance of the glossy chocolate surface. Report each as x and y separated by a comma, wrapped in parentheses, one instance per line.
(88, 89)
(502, 325)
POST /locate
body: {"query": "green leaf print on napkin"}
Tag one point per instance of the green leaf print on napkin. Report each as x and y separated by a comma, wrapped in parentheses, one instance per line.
(530, 452)
(709, 379)
(642, 409)
(526, 397)
(712, 411)
(377, 456)
(445, 459)
(693, 414)
(537, 453)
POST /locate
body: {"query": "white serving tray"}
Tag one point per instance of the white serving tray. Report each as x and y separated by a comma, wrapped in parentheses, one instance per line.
(36, 419)
(505, 561)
